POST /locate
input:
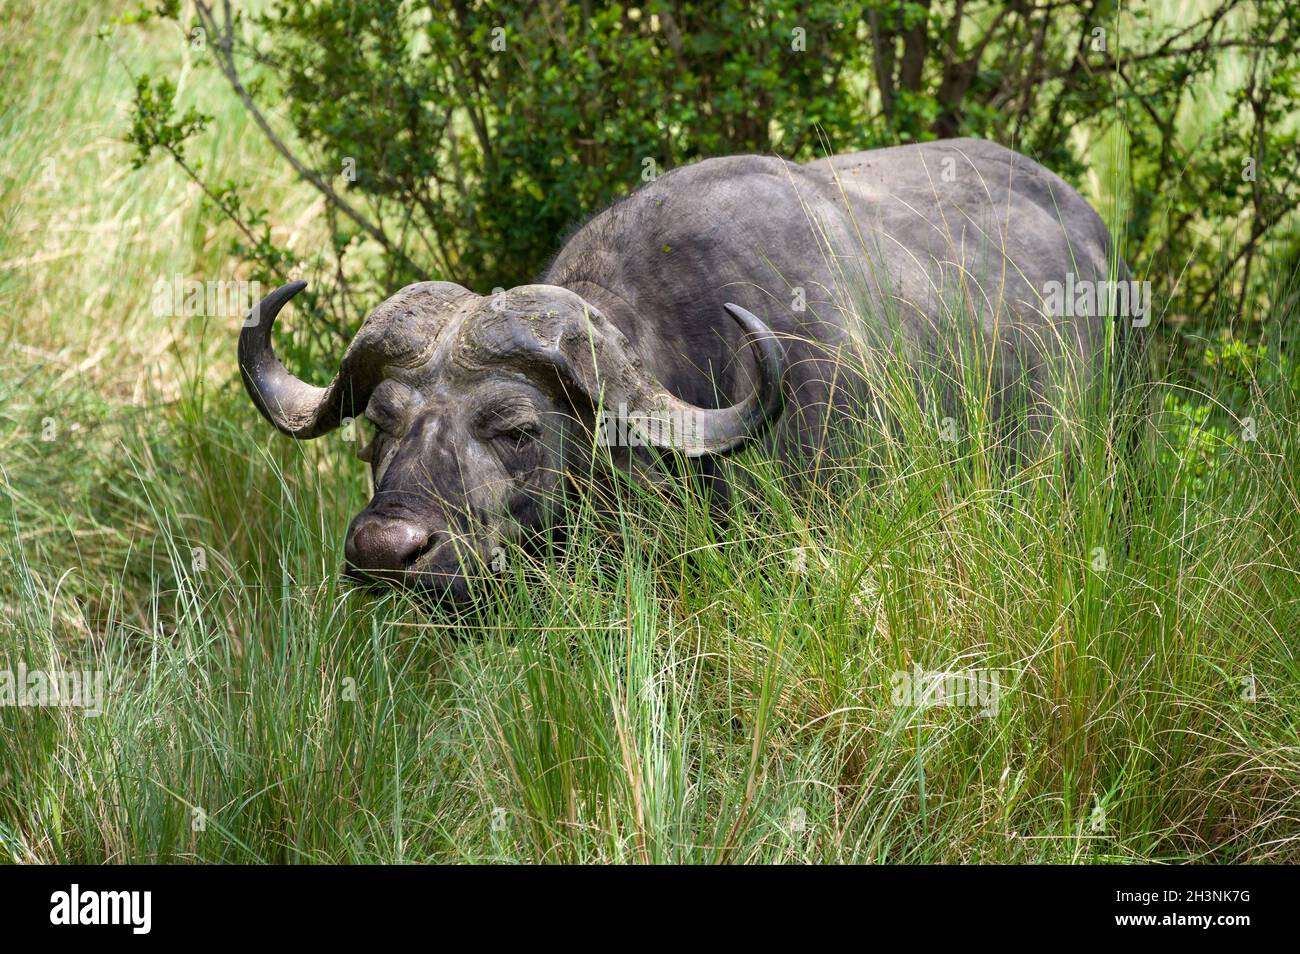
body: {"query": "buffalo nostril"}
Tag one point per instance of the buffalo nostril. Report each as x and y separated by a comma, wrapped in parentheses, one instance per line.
(384, 544)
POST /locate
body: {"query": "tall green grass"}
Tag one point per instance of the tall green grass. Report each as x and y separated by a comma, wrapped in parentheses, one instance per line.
(668, 687)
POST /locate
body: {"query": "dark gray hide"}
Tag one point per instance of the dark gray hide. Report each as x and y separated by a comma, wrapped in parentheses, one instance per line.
(482, 403)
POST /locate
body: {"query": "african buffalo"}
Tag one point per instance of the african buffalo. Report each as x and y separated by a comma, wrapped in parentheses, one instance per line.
(726, 297)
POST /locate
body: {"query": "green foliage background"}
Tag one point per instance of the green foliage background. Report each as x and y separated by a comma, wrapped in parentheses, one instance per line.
(470, 138)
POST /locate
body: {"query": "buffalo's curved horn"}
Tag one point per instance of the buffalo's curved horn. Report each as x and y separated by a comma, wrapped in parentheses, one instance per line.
(697, 431)
(731, 425)
(589, 351)
(297, 408)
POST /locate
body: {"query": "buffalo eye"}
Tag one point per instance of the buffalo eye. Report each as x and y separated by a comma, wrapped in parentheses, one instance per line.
(381, 415)
(388, 406)
(514, 436)
(516, 440)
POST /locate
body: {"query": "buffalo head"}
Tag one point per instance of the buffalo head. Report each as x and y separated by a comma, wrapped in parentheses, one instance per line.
(478, 405)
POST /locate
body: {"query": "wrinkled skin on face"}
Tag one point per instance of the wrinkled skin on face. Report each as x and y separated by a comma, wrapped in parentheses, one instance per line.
(465, 461)
(479, 407)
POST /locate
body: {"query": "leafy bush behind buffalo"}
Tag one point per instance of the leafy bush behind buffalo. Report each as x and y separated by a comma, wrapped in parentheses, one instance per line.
(462, 141)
